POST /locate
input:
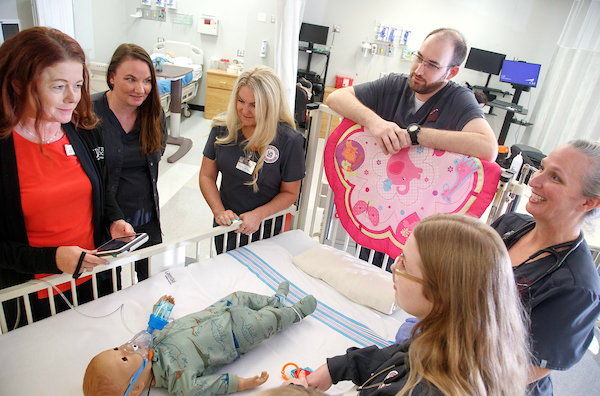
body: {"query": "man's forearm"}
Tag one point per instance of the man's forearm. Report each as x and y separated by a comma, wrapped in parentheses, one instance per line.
(474, 144)
(344, 102)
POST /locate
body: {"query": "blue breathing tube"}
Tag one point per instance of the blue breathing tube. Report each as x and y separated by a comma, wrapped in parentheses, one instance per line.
(158, 319)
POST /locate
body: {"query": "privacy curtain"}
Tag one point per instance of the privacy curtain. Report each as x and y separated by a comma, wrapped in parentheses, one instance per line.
(289, 18)
(54, 13)
(569, 103)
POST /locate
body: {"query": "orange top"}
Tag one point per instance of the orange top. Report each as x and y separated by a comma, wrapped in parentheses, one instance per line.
(56, 197)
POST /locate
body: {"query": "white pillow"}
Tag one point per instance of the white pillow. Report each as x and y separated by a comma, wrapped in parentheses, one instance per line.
(356, 279)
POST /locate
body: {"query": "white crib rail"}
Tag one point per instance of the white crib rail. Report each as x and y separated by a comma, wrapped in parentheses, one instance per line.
(314, 174)
(318, 219)
(168, 251)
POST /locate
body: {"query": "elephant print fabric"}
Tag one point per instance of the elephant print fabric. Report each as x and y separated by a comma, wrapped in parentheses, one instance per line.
(380, 198)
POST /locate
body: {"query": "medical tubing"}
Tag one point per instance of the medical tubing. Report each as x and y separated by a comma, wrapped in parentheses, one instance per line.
(76, 310)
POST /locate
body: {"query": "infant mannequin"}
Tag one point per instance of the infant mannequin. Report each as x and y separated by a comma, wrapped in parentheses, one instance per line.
(185, 354)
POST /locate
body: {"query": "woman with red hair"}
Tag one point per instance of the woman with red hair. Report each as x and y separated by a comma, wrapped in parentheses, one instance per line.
(52, 183)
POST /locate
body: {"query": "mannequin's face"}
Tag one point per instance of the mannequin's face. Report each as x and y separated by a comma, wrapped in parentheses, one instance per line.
(120, 366)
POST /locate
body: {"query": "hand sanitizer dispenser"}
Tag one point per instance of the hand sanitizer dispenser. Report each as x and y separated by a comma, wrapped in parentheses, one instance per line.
(263, 49)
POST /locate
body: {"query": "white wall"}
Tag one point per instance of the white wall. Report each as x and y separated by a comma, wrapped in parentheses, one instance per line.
(523, 29)
(8, 10)
(239, 29)
(17, 9)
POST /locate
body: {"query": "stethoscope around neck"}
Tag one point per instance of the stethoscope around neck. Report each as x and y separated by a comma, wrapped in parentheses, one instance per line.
(561, 251)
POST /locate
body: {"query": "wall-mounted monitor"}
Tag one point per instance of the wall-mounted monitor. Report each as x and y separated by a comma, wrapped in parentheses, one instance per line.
(313, 34)
(484, 61)
(520, 73)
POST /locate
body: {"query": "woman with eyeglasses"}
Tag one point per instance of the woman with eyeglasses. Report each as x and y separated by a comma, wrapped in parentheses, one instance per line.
(455, 277)
(552, 264)
(424, 106)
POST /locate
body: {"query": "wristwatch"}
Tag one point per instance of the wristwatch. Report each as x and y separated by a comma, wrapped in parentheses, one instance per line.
(413, 130)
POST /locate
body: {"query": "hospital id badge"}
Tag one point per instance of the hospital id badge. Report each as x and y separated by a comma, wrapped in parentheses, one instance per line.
(246, 165)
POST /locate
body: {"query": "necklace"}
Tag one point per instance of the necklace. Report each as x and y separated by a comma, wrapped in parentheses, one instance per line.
(36, 138)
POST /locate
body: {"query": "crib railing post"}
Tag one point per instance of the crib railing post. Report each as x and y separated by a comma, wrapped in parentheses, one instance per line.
(73, 293)
(28, 313)
(3, 323)
(311, 156)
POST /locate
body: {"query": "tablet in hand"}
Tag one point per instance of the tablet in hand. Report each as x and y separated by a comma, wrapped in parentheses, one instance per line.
(122, 244)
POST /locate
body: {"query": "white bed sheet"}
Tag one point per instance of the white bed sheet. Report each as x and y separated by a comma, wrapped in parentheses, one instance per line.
(50, 357)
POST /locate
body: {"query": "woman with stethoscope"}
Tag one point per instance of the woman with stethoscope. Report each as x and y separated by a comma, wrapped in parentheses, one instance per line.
(552, 264)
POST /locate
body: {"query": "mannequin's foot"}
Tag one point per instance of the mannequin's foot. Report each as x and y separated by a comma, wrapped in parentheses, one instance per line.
(305, 307)
(282, 292)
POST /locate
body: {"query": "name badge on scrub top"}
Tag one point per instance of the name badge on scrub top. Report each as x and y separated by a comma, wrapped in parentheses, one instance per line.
(69, 150)
(246, 165)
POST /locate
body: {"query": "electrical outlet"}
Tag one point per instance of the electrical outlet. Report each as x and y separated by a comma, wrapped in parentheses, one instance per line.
(240, 53)
(336, 28)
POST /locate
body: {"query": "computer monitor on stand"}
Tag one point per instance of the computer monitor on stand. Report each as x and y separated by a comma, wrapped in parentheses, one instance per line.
(522, 76)
(313, 34)
(485, 62)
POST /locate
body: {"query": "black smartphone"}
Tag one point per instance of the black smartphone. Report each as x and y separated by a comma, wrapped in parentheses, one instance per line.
(122, 244)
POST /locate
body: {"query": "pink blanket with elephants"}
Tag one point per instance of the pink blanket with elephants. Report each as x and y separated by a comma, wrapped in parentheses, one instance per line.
(380, 198)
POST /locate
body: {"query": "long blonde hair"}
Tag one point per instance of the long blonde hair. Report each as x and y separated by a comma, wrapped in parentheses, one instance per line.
(271, 107)
(474, 341)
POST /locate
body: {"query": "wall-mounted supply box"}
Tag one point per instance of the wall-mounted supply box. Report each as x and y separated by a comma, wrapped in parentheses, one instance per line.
(208, 24)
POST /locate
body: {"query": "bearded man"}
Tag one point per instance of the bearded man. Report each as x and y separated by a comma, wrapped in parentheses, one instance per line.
(423, 108)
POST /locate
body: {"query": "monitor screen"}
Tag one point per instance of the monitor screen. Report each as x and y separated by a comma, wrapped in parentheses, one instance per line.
(484, 61)
(314, 33)
(520, 73)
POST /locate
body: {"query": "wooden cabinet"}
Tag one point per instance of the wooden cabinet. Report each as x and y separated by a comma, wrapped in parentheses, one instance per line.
(219, 85)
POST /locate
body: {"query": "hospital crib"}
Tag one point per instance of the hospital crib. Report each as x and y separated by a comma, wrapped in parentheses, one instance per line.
(184, 54)
(314, 215)
(324, 225)
(163, 257)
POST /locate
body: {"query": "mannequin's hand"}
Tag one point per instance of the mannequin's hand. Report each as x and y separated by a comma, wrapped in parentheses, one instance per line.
(249, 383)
(167, 299)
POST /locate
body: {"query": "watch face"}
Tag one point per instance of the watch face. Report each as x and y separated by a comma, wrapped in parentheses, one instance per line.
(413, 128)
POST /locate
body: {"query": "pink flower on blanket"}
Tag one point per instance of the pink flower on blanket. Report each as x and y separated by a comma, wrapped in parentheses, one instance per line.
(365, 206)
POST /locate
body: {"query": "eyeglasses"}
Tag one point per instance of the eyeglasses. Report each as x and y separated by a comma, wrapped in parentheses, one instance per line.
(399, 268)
(427, 64)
